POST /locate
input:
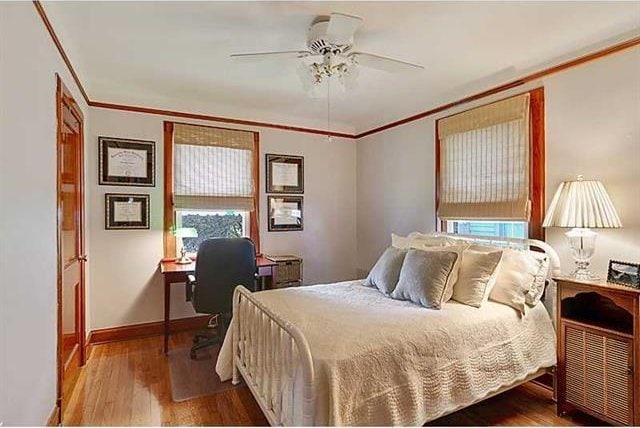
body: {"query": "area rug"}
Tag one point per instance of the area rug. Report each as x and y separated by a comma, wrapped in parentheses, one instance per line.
(195, 378)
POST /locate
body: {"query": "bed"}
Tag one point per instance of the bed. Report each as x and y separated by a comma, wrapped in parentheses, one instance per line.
(345, 354)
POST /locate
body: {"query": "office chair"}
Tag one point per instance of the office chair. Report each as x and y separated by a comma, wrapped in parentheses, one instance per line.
(221, 265)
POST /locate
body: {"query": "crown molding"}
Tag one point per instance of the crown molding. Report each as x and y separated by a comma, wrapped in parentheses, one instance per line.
(148, 110)
(63, 54)
(627, 44)
(198, 116)
(512, 84)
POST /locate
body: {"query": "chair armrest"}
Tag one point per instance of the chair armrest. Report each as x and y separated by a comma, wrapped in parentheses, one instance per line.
(191, 283)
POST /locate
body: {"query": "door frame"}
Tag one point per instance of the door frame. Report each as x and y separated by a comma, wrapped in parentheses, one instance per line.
(65, 99)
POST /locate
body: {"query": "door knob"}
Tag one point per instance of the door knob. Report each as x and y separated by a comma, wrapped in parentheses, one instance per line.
(82, 258)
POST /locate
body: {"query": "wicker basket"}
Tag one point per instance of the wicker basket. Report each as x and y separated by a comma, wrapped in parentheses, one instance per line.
(289, 271)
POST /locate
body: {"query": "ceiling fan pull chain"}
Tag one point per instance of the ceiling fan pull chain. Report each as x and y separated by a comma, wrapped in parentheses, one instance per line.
(329, 109)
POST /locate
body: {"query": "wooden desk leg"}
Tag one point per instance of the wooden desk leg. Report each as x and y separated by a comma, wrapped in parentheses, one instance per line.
(167, 312)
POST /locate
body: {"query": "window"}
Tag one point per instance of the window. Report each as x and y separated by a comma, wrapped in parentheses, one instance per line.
(212, 224)
(490, 168)
(210, 184)
(510, 229)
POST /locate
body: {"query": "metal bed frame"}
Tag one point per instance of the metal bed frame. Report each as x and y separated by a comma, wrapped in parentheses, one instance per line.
(273, 356)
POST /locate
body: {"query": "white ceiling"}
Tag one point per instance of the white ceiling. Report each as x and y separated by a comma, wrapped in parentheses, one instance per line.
(175, 55)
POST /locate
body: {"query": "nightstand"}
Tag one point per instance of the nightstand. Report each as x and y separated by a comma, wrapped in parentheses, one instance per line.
(598, 355)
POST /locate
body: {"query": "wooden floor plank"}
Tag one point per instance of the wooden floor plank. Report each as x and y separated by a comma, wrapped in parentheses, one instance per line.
(128, 383)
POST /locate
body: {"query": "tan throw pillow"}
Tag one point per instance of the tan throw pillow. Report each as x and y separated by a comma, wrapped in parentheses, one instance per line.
(424, 277)
(385, 273)
(515, 278)
(476, 277)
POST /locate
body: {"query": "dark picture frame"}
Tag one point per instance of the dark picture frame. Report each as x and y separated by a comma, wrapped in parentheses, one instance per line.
(126, 211)
(624, 273)
(285, 213)
(285, 173)
(120, 161)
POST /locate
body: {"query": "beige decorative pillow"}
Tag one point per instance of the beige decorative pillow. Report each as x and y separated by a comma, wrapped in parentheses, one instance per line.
(425, 276)
(515, 278)
(537, 288)
(476, 277)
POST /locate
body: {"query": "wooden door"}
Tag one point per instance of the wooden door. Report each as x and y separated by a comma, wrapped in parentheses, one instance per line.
(71, 257)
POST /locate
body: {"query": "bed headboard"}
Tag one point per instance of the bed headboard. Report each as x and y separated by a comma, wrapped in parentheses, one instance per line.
(554, 261)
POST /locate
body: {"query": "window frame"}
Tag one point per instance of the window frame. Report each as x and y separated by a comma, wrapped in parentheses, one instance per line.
(536, 163)
(169, 208)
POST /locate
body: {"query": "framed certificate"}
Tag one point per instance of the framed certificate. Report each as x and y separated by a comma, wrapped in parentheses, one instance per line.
(284, 213)
(285, 174)
(125, 162)
(126, 211)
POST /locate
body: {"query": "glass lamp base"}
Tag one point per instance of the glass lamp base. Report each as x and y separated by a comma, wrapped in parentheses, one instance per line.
(583, 273)
(582, 242)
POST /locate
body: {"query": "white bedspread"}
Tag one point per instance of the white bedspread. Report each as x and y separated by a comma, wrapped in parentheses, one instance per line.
(380, 361)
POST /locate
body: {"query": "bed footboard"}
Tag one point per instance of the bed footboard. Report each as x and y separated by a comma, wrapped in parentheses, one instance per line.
(271, 354)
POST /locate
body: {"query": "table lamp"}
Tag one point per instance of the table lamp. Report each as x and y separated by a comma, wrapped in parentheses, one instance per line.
(184, 232)
(581, 205)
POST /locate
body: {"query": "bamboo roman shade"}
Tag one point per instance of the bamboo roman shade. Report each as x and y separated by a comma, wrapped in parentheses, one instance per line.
(484, 162)
(213, 168)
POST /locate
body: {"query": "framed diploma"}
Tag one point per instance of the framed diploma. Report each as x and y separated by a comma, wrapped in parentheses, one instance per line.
(125, 162)
(284, 213)
(126, 211)
(285, 174)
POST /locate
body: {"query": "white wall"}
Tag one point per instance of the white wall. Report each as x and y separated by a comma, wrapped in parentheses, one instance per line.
(126, 286)
(28, 214)
(592, 128)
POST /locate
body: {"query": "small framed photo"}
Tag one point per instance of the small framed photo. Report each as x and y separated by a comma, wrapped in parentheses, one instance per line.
(123, 162)
(285, 213)
(285, 174)
(126, 211)
(624, 273)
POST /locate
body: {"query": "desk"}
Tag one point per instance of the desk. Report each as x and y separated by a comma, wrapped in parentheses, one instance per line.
(173, 272)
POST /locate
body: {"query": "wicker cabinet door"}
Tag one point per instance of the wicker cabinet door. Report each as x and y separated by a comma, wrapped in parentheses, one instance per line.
(598, 375)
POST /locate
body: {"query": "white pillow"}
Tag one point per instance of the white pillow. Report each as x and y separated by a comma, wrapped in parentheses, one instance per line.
(434, 239)
(421, 240)
(515, 278)
(476, 277)
(537, 288)
(401, 242)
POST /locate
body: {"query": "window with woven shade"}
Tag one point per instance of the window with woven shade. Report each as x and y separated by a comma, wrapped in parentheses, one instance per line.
(490, 172)
(212, 174)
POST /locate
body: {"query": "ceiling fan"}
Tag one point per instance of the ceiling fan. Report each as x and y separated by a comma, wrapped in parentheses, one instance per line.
(330, 53)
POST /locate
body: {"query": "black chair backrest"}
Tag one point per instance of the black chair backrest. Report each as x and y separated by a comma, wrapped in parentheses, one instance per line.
(223, 264)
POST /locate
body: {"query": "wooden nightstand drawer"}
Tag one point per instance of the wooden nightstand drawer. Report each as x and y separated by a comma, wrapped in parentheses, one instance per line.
(598, 350)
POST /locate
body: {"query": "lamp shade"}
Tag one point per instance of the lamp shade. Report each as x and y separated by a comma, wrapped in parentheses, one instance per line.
(582, 204)
(185, 232)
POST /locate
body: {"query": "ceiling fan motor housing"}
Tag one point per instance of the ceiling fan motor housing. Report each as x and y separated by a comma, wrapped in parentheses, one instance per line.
(319, 43)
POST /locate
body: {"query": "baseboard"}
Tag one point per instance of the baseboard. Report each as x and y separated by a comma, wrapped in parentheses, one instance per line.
(135, 331)
(54, 417)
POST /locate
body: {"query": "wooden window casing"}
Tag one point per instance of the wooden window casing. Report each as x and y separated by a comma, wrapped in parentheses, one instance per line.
(169, 209)
(536, 165)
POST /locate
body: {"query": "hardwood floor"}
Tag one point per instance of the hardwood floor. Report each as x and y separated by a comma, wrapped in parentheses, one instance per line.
(127, 383)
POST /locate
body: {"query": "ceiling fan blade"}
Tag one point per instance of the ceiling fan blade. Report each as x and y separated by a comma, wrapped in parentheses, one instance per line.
(267, 56)
(342, 27)
(383, 63)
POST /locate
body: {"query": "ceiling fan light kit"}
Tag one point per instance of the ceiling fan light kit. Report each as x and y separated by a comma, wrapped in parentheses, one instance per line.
(330, 44)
